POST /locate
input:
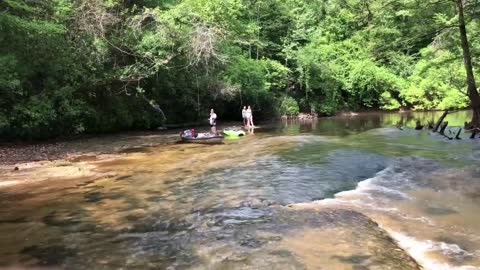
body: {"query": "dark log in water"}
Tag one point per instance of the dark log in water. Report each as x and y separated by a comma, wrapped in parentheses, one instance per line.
(474, 132)
(418, 126)
(440, 120)
(458, 134)
(443, 127)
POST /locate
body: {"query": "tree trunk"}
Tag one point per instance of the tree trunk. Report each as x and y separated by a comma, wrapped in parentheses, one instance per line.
(467, 60)
(476, 115)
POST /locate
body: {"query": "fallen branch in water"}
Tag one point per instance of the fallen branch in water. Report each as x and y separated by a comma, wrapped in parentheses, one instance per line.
(418, 126)
(443, 127)
(442, 130)
(440, 120)
(474, 132)
(458, 134)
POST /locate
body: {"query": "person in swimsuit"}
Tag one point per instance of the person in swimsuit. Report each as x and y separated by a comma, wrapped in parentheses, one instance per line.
(249, 117)
(244, 116)
(213, 121)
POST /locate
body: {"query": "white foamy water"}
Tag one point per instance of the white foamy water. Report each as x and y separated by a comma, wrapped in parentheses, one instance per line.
(419, 208)
(419, 251)
(365, 195)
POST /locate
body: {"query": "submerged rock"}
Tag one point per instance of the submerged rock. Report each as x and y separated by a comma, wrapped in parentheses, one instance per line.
(342, 239)
(49, 255)
(440, 211)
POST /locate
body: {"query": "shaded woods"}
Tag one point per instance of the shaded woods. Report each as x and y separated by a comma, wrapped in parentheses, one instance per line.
(91, 66)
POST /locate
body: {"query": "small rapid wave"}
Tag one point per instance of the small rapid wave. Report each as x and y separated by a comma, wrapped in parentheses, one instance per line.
(419, 250)
(405, 199)
(370, 192)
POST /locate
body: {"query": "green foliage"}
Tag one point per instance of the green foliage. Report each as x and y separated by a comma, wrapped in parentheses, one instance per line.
(436, 82)
(70, 67)
(249, 73)
(342, 75)
(289, 106)
(277, 75)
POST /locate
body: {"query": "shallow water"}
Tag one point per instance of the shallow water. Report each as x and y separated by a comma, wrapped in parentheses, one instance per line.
(339, 193)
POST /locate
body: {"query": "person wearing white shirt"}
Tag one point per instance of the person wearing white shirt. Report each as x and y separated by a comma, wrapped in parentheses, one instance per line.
(213, 121)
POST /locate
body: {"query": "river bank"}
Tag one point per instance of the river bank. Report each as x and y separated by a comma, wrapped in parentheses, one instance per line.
(12, 153)
(66, 149)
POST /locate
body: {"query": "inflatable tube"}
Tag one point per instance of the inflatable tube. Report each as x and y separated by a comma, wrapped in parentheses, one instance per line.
(233, 132)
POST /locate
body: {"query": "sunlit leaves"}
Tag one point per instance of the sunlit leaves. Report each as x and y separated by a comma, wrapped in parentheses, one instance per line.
(437, 83)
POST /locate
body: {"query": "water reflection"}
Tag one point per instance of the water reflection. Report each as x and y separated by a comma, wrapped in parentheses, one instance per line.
(347, 125)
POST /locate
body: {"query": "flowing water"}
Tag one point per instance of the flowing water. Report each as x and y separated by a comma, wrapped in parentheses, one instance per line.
(337, 193)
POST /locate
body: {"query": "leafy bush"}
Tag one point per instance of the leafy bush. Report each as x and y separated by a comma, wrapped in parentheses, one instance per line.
(289, 106)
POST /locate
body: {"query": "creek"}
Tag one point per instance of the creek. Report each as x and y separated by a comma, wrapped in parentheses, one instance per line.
(337, 193)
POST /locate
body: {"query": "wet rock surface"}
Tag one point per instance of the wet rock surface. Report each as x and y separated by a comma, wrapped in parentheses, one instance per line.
(252, 235)
(240, 244)
(81, 149)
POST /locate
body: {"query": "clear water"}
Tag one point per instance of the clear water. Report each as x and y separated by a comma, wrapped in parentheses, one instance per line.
(338, 193)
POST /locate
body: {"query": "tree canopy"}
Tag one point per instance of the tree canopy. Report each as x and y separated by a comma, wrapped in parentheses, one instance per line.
(70, 67)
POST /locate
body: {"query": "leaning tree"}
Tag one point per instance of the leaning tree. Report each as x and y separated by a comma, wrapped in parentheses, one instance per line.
(472, 91)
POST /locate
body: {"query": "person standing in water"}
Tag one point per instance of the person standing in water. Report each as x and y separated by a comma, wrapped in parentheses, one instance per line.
(213, 121)
(249, 117)
(244, 116)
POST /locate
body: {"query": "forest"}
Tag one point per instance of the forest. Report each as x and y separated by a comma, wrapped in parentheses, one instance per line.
(70, 67)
